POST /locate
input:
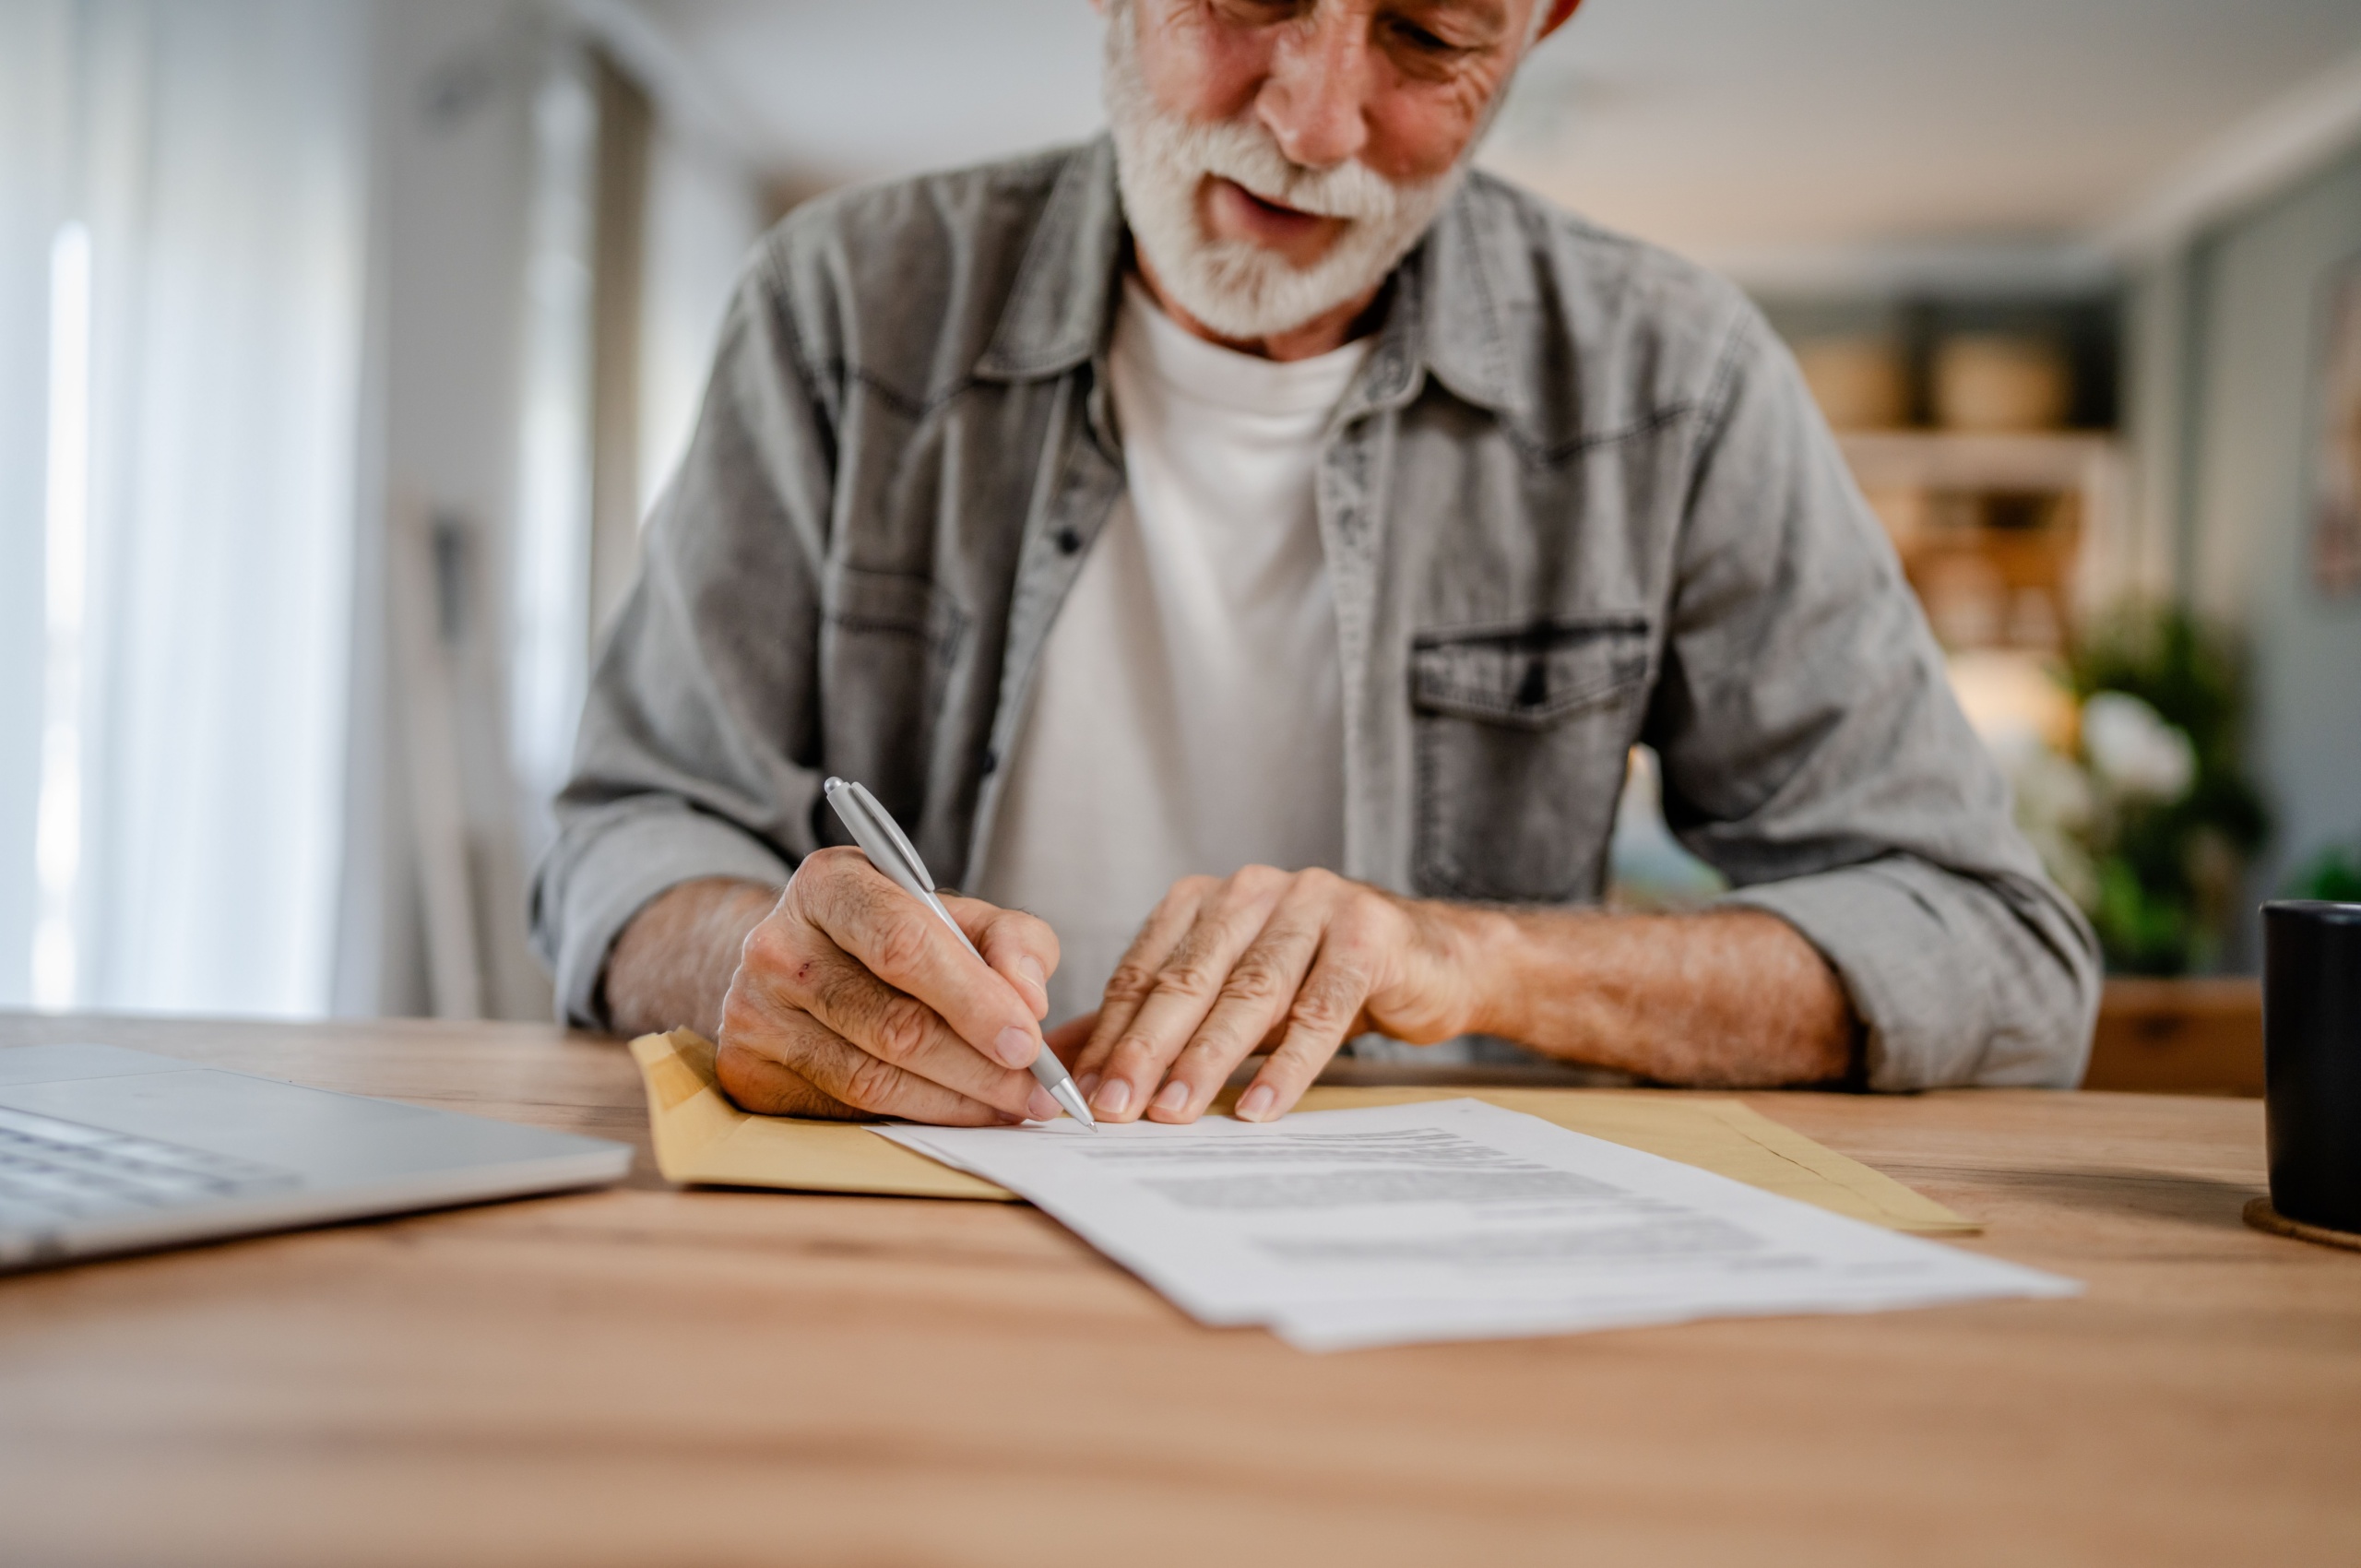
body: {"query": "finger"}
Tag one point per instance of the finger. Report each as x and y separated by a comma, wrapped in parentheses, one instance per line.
(853, 1005)
(1020, 947)
(771, 1067)
(1135, 976)
(872, 1085)
(1184, 992)
(900, 940)
(1327, 1006)
(1066, 1041)
(1254, 1004)
(769, 1087)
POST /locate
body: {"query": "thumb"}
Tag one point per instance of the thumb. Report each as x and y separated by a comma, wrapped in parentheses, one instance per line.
(1019, 948)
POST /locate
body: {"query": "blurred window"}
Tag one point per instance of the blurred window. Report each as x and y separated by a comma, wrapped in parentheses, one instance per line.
(183, 229)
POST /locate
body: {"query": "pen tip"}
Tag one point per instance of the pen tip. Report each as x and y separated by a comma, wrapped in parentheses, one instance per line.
(1069, 1096)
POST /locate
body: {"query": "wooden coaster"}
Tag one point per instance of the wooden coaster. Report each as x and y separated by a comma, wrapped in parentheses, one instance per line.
(2262, 1216)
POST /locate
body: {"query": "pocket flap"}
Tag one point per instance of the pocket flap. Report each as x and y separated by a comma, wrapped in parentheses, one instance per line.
(861, 600)
(1530, 677)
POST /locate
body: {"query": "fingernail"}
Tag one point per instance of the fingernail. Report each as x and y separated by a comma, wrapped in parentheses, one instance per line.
(1089, 1085)
(1015, 1047)
(1033, 970)
(1255, 1103)
(1174, 1097)
(1114, 1100)
(1041, 1107)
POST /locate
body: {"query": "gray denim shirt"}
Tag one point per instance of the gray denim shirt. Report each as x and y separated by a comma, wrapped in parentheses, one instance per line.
(1577, 498)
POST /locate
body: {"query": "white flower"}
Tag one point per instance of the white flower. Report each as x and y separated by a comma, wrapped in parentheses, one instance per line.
(2053, 795)
(2132, 749)
(2054, 807)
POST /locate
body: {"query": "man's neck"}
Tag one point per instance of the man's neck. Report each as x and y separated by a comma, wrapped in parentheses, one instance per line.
(1322, 334)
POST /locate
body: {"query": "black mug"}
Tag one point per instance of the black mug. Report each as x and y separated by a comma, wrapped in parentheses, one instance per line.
(2311, 1061)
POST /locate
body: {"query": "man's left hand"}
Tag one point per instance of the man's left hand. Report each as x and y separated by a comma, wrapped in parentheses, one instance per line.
(1297, 962)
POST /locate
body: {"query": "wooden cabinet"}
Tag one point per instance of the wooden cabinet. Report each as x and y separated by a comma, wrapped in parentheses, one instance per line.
(2179, 1037)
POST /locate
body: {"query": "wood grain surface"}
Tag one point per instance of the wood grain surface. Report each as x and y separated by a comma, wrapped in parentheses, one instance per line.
(652, 1377)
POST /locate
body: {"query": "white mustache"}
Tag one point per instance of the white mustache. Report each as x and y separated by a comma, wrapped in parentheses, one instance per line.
(1245, 152)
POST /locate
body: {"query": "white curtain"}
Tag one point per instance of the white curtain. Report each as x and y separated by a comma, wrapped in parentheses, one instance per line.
(171, 728)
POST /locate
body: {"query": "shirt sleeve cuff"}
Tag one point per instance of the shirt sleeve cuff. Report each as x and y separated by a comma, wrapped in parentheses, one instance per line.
(1955, 983)
(620, 863)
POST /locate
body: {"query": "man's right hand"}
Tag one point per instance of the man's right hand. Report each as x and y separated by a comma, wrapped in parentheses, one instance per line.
(851, 1001)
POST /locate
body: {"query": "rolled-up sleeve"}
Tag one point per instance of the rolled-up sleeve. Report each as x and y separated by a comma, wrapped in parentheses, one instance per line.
(1813, 750)
(700, 720)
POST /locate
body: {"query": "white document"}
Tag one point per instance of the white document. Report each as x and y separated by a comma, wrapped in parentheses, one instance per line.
(1451, 1220)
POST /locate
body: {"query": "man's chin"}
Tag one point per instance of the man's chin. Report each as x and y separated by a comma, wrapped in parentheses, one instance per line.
(1245, 292)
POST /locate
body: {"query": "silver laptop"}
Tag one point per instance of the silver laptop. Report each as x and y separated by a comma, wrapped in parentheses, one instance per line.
(104, 1150)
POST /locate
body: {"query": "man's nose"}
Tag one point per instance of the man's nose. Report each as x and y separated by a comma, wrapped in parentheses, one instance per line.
(1313, 101)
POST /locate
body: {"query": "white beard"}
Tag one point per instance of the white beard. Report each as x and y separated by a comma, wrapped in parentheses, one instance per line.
(1240, 289)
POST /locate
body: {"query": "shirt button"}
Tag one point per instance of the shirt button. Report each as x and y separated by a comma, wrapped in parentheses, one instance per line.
(1068, 540)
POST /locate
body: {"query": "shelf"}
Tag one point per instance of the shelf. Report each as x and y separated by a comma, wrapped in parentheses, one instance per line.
(2081, 560)
(1941, 460)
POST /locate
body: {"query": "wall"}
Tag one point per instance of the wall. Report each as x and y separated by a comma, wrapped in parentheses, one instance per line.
(452, 185)
(2240, 313)
(468, 288)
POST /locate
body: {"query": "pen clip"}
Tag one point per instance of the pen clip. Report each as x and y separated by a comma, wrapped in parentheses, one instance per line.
(893, 832)
(862, 810)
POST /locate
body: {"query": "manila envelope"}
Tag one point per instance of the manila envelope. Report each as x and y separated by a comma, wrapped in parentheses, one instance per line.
(701, 1137)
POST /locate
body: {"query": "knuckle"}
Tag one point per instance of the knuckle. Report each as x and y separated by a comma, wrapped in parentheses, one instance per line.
(1035, 935)
(834, 860)
(1255, 979)
(1131, 1047)
(1013, 933)
(902, 944)
(870, 1084)
(752, 1015)
(770, 947)
(1320, 880)
(1131, 981)
(901, 1030)
(820, 875)
(1320, 1013)
(1190, 977)
(740, 1017)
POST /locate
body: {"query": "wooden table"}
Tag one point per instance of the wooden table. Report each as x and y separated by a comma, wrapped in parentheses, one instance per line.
(648, 1376)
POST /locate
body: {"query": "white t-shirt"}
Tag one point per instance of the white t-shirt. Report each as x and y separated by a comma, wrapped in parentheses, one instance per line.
(1186, 715)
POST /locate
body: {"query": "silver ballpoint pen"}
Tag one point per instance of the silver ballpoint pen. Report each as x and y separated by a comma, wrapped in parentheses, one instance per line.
(882, 840)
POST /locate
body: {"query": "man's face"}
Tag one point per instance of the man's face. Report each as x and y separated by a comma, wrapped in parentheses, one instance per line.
(1278, 157)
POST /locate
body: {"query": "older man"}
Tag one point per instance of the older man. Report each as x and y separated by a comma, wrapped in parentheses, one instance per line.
(1251, 545)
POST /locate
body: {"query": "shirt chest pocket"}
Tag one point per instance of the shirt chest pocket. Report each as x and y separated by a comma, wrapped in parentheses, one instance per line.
(1520, 738)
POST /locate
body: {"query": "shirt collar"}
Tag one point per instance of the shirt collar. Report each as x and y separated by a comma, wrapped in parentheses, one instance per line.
(1445, 316)
(1062, 309)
